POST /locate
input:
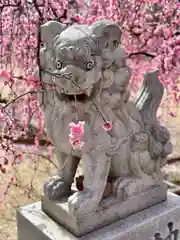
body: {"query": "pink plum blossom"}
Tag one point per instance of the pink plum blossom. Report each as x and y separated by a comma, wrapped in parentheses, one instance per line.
(12, 180)
(1, 115)
(172, 114)
(76, 134)
(2, 168)
(50, 152)
(107, 126)
(77, 130)
(6, 161)
(76, 143)
(5, 74)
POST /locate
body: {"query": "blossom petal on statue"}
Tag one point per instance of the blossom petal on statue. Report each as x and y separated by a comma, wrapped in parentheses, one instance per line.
(77, 143)
(107, 126)
(76, 133)
(77, 129)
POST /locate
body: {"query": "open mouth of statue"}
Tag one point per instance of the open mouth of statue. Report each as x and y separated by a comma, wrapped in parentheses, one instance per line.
(82, 97)
(86, 95)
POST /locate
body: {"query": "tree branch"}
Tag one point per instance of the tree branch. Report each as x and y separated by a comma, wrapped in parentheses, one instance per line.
(39, 39)
(38, 10)
(29, 140)
(22, 95)
(53, 10)
(142, 53)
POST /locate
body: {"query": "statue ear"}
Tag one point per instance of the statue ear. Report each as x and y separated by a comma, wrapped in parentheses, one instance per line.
(49, 30)
(107, 31)
(113, 31)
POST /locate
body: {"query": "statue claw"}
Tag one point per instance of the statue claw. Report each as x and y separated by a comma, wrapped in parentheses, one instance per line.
(55, 188)
(81, 203)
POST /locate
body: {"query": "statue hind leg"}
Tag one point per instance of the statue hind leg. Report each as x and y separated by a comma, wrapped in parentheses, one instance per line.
(60, 185)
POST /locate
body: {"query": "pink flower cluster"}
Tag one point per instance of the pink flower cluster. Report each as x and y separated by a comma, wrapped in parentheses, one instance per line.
(5, 74)
(107, 126)
(172, 114)
(5, 162)
(1, 115)
(76, 134)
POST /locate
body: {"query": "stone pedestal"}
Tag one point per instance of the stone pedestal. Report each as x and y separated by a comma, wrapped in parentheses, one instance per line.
(109, 210)
(159, 222)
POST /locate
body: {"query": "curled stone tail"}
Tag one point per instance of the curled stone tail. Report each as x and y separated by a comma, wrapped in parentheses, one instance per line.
(149, 98)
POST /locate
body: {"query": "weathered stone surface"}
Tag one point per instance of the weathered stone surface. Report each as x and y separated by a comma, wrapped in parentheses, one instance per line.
(34, 224)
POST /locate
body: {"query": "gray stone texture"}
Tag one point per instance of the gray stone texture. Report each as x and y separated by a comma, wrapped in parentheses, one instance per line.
(34, 224)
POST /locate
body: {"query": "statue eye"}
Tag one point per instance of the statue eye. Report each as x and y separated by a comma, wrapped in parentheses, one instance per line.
(58, 64)
(89, 65)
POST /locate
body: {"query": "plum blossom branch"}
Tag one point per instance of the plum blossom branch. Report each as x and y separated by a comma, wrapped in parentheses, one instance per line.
(38, 11)
(142, 53)
(20, 96)
(53, 10)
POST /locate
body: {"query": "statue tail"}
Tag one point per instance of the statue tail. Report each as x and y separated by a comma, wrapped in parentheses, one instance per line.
(149, 98)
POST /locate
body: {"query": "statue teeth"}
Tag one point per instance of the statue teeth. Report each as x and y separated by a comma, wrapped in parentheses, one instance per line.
(88, 91)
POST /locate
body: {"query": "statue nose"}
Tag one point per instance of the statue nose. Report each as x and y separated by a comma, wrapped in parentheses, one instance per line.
(68, 76)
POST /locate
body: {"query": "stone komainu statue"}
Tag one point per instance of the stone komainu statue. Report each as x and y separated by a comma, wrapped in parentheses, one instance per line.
(88, 67)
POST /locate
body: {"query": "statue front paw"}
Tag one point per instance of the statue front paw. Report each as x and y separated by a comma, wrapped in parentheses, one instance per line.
(56, 188)
(83, 202)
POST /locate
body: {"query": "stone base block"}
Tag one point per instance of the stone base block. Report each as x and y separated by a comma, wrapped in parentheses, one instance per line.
(159, 222)
(109, 210)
